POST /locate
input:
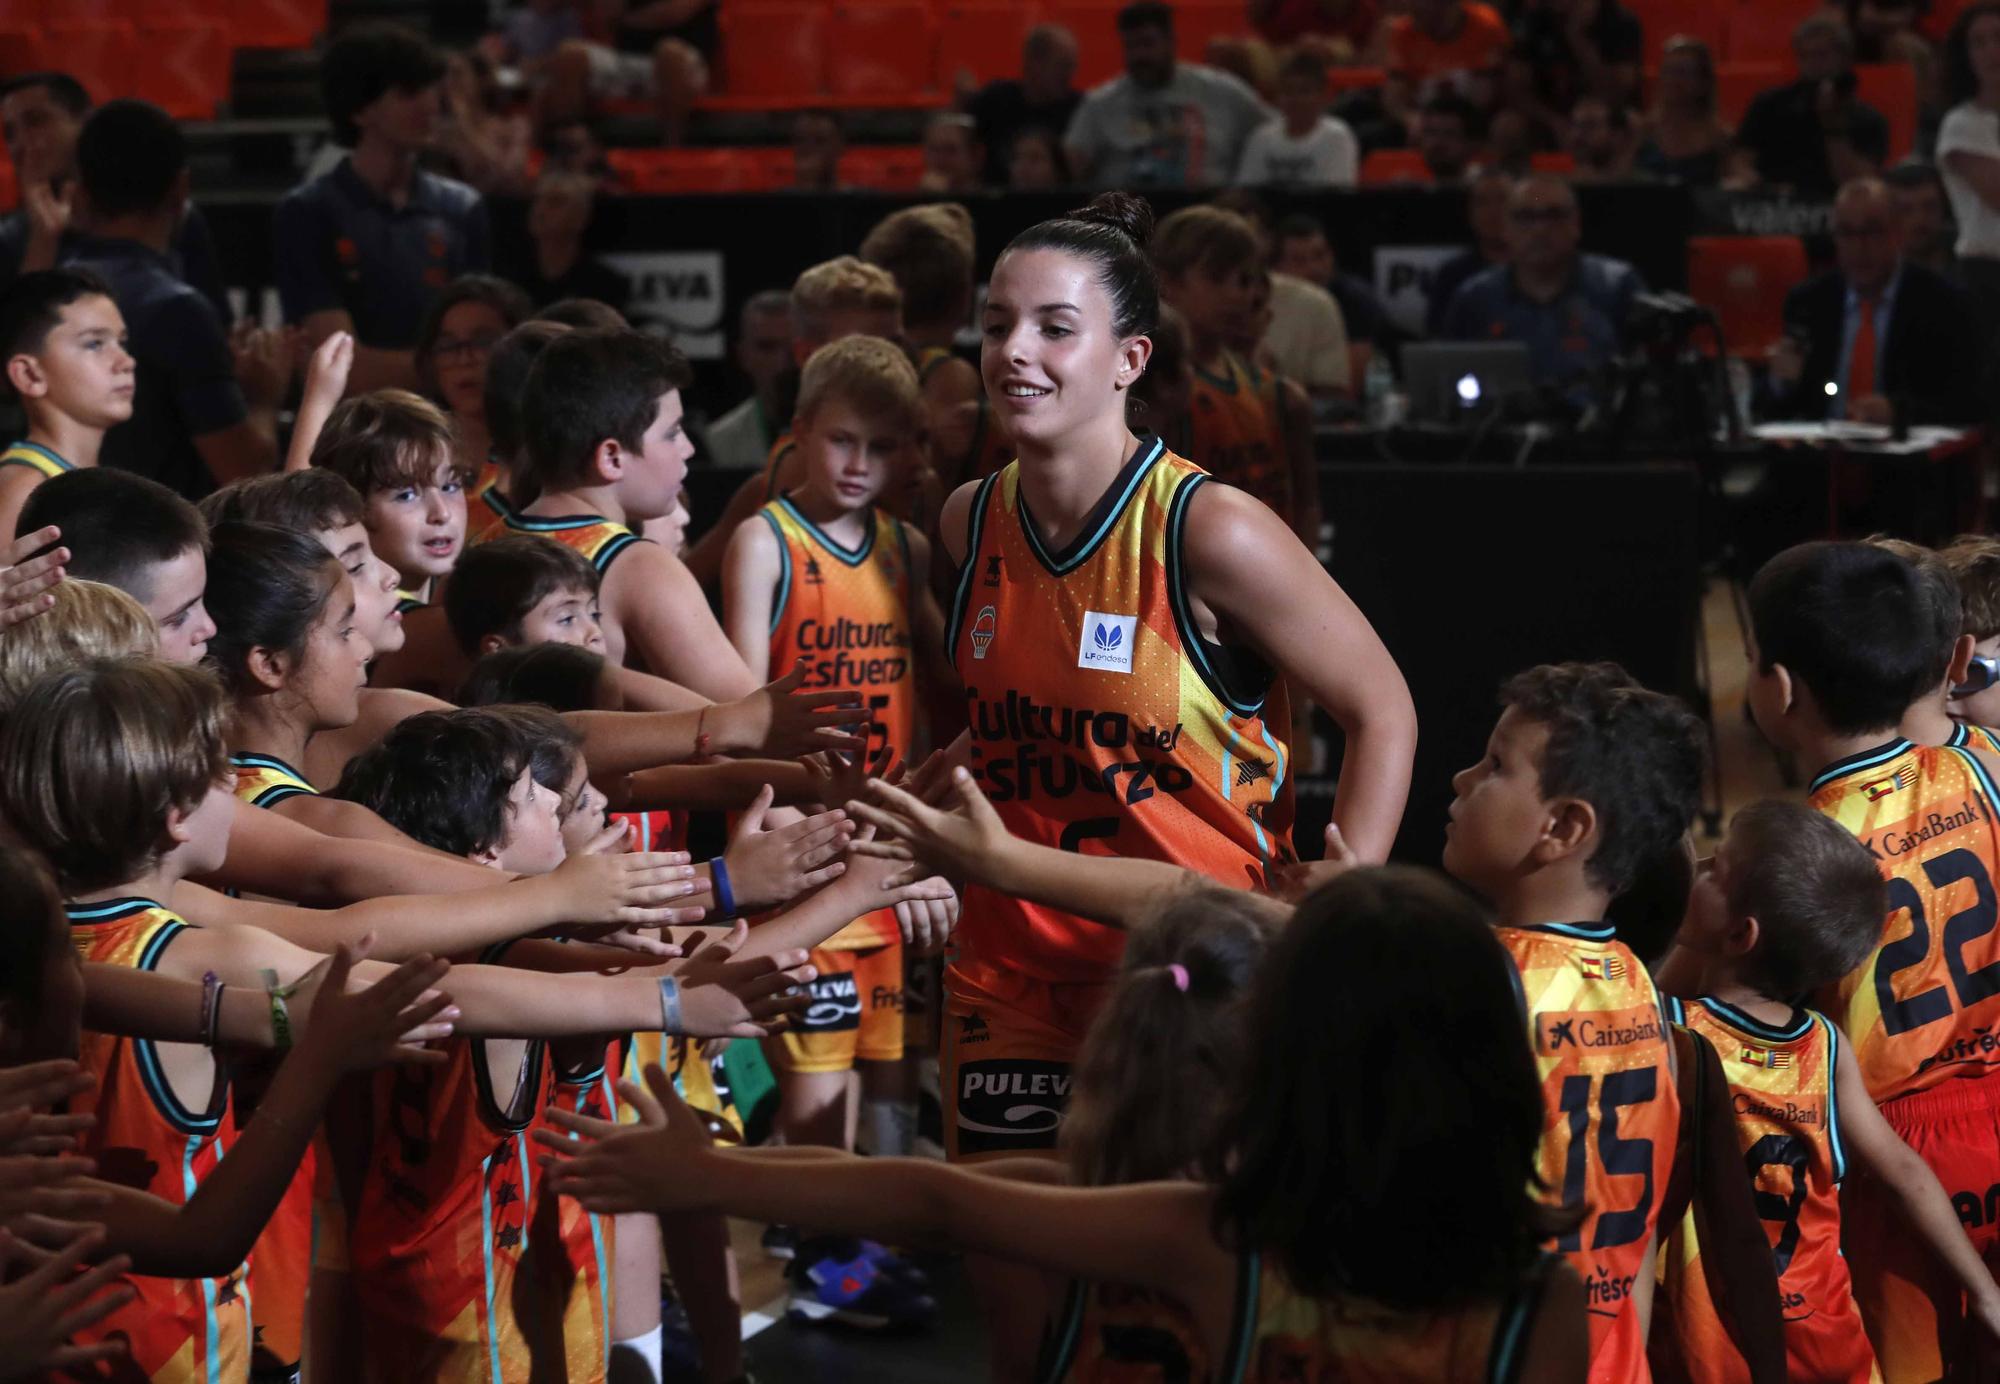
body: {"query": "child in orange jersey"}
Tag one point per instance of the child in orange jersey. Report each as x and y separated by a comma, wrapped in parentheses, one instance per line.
(62, 348)
(822, 574)
(1792, 903)
(838, 298)
(1975, 702)
(1846, 640)
(1587, 777)
(1363, 1210)
(1930, 721)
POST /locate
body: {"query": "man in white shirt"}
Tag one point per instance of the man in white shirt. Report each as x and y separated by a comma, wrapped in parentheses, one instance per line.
(1164, 123)
(1304, 147)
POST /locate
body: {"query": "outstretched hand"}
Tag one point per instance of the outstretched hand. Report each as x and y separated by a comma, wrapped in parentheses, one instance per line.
(25, 579)
(782, 721)
(649, 1166)
(45, 1306)
(768, 869)
(375, 1024)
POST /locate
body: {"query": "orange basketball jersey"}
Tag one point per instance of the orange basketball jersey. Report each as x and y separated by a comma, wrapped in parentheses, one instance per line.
(179, 1331)
(846, 612)
(1102, 721)
(490, 509)
(1781, 1084)
(1964, 737)
(1236, 429)
(1612, 1115)
(575, 1270)
(1922, 1009)
(599, 539)
(264, 780)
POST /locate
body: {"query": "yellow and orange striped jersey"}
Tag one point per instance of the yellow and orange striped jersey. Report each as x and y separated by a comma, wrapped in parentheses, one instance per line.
(264, 780)
(1612, 1116)
(1236, 430)
(846, 612)
(599, 539)
(1781, 1085)
(1965, 737)
(179, 1331)
(36, 457)
(1921, 1009)
(490, 508)
(1102, 721)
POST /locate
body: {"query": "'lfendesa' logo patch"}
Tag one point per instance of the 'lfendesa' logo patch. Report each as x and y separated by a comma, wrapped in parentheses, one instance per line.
(1106, 643)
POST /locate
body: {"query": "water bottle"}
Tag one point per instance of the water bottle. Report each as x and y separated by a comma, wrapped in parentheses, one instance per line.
(1378, 384)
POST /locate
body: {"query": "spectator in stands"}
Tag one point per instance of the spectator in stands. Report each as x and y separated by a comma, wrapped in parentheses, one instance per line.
(1968, 149)
(658, 52)
(1306, 335)
(1510, 143)
(1045, 97)
(1883, 30)
(456, 339)
(741, 439)
(365, 247)
(1569, 308)
(1923, 217)
(817, 142)
(1486, 212)
(1163, 123)
(483, 135)
(1304, 146)
(40, 114)
(1341, 30)
(1459, 46)
(1565, 50)
(573, 147)
(1601, 140)
(558, 229)
(1445, 132)
(1036, 162)
(1875, 339)
(1685, 138)
(1812, 134)
(953, 159)
(1304, 252)
(203, 413)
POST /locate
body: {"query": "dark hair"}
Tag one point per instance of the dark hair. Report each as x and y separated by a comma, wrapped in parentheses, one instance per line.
(1058, 155)
(1634, 755)
(584, 314)
(1452, 104)
(1911, 176)
(1298, 226)
(63, 89)
(1169, 362)
(387, 439)
(1817, 895)
(31, 307)
(504, 298)
(562, 677)
(1112, 233)
(267, 587)
(496, 584)
(928, 251)
(555, 747)
(1146, 14)
(116, 525)
(1857, 625)
(1384, 1139)
(128, 155)
(309, 501)
(32, 929)
(1159, 1064)
(587, 387)
(1651, 907)
(507, 367)
(365, 63)
(1683, 43)
(1961, 84)
(1305, 62)
(442, 778)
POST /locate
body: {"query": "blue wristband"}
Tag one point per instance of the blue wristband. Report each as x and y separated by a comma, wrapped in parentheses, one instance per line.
(725, 897)
(670, 1005)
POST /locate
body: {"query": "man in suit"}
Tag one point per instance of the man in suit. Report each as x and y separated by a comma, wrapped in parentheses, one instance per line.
(1877, 339)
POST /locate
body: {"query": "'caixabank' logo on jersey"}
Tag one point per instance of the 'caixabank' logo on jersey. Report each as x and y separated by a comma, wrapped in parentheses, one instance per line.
(1106, 643)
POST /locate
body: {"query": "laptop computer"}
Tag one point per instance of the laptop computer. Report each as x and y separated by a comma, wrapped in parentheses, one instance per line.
(1463, 381)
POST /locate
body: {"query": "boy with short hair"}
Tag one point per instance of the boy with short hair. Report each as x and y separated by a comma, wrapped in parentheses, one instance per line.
(607, 450)
(824, 575)
(1587, 777)
(1304, 146)
(62, 340)
(1845, 643)
(1790, 905)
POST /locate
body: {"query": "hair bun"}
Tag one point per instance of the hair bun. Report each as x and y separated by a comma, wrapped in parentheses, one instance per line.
(1131, 216)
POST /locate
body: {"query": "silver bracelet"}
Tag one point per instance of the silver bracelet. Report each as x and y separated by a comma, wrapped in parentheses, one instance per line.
(670, 1005)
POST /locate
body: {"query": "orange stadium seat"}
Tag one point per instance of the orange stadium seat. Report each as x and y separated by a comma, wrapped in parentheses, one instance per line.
(1557, 161)
(882, 52)
(1891, 88)
(1341, 80)
(1737, 84)
(983, 41)
(1099, 54)
(663, 172)
(1395, 166)
(21, 47)
(103, 54)
(24, 14)
(884, 167)
(276, 23)
(1745, 279)
(186, 67)
(1664, 20)
(1761, 30)
(775, 53)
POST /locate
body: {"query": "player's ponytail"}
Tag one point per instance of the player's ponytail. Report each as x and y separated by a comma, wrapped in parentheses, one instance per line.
(1111, 232)
(267, 588)
(1165, 1052)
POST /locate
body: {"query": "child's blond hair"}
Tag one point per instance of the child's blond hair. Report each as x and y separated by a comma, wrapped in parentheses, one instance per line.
(929, 251)
(869, 374)
(88, 620)
(842, 285)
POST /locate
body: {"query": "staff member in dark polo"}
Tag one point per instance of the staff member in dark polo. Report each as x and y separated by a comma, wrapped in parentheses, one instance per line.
(365, 247)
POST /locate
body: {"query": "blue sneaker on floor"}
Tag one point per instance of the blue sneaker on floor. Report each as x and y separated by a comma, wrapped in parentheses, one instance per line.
(855, 1291)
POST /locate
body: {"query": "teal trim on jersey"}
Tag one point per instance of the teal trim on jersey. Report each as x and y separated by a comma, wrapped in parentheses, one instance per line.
(1192, 644)
(1834, 1140)
(1097, 536)
(1582, 932)
(851, 557)
(1800, 1025)
(211, 1323)
(486, 1251)
(1855, 763)
(1243, 1330)
(784, 568)
(56, 459)
(152, 1074)
(974, 536)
